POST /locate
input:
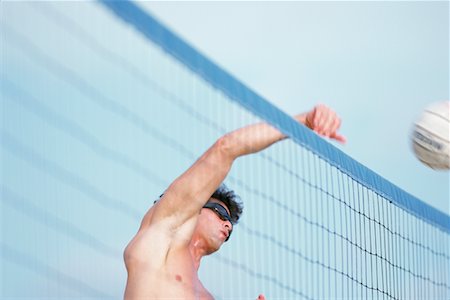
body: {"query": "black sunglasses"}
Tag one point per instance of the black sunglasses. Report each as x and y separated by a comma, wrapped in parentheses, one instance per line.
(221, 212)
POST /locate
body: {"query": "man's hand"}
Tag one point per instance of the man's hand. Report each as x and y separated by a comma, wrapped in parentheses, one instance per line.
(261, 297)
(323, 121)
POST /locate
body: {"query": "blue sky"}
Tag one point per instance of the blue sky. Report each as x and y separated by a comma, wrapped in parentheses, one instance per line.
(378, 64)
(97, 121)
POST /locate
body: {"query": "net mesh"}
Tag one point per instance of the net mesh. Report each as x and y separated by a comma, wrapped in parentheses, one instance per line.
(98, 119)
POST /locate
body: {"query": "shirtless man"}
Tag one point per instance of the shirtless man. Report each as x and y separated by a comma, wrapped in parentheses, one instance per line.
(195, 215)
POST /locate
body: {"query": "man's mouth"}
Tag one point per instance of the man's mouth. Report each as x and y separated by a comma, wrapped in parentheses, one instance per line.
(225, 233)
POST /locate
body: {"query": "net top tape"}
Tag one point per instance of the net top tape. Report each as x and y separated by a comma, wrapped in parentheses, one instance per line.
(237, 91)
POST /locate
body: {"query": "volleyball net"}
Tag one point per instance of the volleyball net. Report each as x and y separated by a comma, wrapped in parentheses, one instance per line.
(103, 106)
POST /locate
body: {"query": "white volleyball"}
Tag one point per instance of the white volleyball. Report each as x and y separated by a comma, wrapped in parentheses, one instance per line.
(431, 136)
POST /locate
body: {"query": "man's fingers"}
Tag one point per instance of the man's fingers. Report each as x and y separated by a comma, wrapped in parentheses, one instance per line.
(339, 138)
(335, 126)
(329, 124)
(325, 119)
(310, 119)
(316, 117)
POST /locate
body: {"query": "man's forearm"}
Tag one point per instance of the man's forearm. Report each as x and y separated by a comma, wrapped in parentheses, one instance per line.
(254, 138)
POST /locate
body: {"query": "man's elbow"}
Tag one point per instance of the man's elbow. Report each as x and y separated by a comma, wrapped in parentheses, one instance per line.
(227, 147)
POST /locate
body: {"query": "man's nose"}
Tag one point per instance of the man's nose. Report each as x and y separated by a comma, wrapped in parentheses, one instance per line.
(228, 225)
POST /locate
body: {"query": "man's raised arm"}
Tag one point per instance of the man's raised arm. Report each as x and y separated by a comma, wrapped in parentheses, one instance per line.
(185, 197)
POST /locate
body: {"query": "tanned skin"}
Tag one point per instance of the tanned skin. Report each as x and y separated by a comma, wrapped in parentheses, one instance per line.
(163, 259)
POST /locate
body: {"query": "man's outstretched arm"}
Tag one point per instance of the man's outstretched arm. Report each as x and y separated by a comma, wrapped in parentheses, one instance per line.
(185, 197)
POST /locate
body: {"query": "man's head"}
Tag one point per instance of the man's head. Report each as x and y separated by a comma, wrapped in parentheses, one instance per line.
(217, 218)
(226, 205)
(224, 209)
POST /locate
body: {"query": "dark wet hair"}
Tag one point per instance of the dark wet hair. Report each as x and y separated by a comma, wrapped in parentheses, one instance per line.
(231, 200)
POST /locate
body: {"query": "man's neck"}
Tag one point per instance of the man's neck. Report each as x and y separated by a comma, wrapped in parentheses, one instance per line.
(198, 250)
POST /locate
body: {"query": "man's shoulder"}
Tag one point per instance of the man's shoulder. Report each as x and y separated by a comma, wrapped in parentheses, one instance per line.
(147, 246)
(155, 240)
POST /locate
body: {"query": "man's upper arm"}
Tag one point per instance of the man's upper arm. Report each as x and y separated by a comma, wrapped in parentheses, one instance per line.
(185, 197)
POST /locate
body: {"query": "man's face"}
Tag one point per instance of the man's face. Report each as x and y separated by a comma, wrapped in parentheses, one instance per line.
(215, 221)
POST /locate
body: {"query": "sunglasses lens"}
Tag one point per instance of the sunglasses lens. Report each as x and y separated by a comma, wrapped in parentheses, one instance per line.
(222, 214)
(220, 211)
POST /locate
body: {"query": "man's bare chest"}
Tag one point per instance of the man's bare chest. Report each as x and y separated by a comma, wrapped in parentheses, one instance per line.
(181, 274)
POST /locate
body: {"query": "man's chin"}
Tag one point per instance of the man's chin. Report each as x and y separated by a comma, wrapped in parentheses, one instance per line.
(215, 245)
(218, 245)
